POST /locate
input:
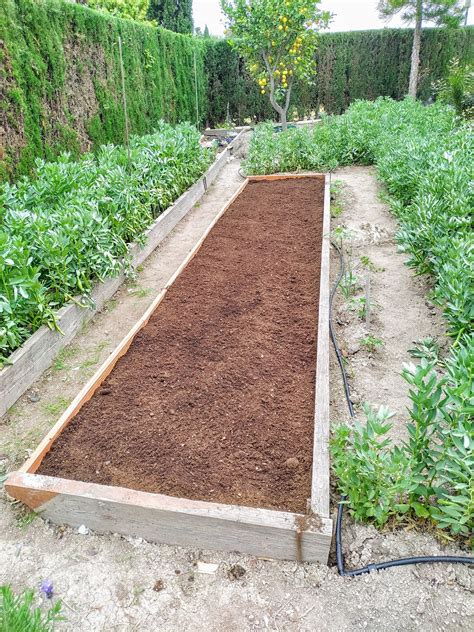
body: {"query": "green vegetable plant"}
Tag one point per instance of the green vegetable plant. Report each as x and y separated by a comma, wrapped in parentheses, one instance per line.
(371, 343)
(431, 474)
(426, 348)
(69, 227)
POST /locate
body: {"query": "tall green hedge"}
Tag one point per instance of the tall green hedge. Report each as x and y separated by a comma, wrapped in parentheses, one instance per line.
(61, 85)
(60, 77)
(351, 65)
(368, 64)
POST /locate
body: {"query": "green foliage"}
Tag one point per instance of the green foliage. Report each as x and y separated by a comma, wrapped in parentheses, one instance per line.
(18, 614)
(175, 15)
(431, 474)
(278, 43)
(63, 87)
(369, 472)
(457, 88)
(127, 9)
(424, 155)
(350, 66)
(426, 348)
(70, 226)
(371, 343)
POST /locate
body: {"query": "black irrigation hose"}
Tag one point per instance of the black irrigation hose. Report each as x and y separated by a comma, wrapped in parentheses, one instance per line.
(404, 561)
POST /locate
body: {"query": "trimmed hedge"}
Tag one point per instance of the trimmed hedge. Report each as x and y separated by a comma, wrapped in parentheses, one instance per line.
(368, 64)
(351, 66)
(60, 77)
(62, 87)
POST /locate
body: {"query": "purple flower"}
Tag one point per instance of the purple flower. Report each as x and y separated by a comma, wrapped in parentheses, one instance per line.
(47, 588)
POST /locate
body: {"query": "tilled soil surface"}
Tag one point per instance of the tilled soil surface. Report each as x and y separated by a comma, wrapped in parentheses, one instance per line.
(215, 398)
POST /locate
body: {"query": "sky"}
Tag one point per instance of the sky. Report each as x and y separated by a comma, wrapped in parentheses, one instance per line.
(350, 15)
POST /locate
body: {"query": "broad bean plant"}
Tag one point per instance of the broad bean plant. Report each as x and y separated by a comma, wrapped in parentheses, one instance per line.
(68, 226)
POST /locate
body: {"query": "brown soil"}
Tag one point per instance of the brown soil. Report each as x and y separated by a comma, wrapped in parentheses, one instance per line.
(215, 398)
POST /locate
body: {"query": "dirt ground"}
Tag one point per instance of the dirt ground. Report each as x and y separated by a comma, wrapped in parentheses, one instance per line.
(114, 583)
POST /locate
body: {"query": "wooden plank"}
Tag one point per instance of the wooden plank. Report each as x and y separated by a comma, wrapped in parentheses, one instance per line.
(104, 370)
(321, 473)
(168, 520)
(27, 363)
(285, 176)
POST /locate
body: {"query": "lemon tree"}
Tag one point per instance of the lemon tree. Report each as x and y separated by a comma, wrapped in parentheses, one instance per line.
(278, 42)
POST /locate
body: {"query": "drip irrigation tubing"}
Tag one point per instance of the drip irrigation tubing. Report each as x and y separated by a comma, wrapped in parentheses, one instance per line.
(404, 561)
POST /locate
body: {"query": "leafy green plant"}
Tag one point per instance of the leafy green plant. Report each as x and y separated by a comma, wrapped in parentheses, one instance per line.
(336, 198)
(69, 227)
(368, 264)
(18, 614)
(371, 343)
(359, 305)
(426, 348)
(369, 471)
(431, 475)
(349, 283)
(127, 9)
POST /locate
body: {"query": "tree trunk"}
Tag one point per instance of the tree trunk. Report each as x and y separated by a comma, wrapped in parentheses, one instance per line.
(281, 109)
(415, 52)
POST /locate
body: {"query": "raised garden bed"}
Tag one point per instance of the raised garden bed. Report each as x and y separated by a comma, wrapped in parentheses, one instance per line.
(201, 428)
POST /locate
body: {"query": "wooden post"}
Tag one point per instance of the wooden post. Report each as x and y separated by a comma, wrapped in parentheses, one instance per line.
(196, 91)
(367, 301)
(124, 97)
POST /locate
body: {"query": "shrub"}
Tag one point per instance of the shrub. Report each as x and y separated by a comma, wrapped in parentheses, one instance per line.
(431, 475)
(70, 226)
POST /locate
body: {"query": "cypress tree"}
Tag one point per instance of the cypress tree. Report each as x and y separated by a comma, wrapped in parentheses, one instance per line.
(175, 15)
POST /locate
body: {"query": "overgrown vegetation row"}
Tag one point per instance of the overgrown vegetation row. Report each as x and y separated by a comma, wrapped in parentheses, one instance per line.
(69, 226)
(424, 156)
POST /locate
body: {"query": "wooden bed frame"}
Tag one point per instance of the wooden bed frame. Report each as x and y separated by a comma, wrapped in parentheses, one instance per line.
(178, 521)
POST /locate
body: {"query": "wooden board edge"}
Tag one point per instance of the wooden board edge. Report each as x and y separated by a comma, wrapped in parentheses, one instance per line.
(320, 484)
(286, 176)
(300, 533)
(34, 461)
